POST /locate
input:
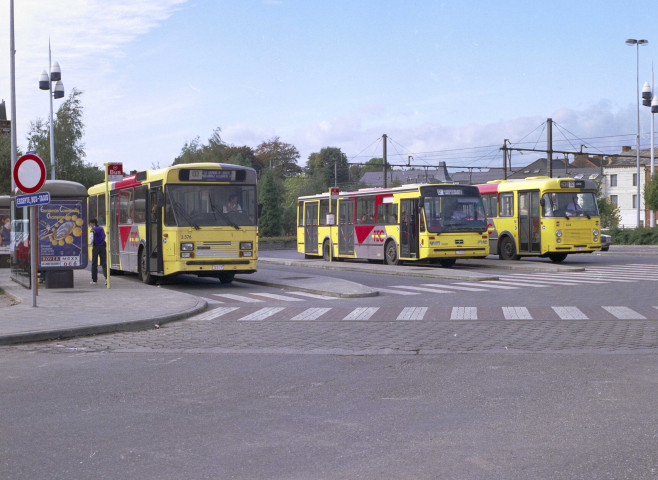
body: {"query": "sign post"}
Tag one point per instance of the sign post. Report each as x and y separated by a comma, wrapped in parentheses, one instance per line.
(29, 175)
(113, 173)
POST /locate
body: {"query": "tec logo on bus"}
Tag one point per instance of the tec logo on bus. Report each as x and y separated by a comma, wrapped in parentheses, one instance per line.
(379, 236)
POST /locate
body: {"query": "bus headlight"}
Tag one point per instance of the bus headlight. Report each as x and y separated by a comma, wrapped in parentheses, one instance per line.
(558, 233)
(559, 239)
(246, 245)
(246, 254)
(596, 239)
(186, 247)
(595, 232)
(186, 254)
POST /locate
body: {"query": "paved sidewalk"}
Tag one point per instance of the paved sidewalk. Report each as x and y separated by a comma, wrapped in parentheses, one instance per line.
(89, 309)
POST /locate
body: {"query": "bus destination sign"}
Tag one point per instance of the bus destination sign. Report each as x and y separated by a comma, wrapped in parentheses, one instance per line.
(211, 175)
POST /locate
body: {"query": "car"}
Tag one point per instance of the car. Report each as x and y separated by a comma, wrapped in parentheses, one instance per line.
(606, 241)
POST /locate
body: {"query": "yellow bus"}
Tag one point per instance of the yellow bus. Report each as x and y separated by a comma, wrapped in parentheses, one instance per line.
(197, 218)
(436, 223)
(542, 216)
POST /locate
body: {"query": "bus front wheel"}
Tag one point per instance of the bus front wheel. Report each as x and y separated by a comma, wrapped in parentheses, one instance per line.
(226, 277)
(144, 274)
(508, 249)
(391, 254)
(326, 252)
(557, 257)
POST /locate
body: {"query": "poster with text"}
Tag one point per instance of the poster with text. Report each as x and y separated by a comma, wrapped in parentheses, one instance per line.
(62, 235)
(5, 231)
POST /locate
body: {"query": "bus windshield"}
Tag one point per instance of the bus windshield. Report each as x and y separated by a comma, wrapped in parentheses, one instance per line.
(202, 205)
(452, 213)
(569, 204)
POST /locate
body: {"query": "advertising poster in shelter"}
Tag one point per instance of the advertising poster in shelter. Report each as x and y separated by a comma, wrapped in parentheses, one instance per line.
(62, 235)
(5, 231)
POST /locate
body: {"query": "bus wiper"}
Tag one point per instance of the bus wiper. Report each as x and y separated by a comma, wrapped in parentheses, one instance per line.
(222, 214)
(184, 214)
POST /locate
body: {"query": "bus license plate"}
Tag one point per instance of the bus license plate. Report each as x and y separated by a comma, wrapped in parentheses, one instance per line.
(218, 267)
(579, 249)
(459, 252)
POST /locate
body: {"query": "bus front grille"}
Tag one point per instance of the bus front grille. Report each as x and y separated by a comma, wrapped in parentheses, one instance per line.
(217, 250)
(577, 236)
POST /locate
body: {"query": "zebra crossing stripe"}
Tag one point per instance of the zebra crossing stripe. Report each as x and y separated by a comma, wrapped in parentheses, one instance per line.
(570, 313)
(624, 313)
(397, 292)
(361, 313)
(464, 313)
(456, 287)
(488, 284)
(262, 314)
(515, 284)
(421, 289)
(275, 296)
(412, 313)
(516, 313)
(239, 298)
(212, 314)
(549, 280)
(313, 295)
(311, 313)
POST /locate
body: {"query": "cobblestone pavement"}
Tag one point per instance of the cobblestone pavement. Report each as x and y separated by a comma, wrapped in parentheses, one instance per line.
(375, 338)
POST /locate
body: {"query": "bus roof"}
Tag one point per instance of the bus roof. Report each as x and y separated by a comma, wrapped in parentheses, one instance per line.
(383, 191)
(544, 183)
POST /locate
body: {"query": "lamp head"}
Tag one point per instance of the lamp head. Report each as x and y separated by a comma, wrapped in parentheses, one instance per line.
(646, 94)
(55, 72)
(59, 90)
(654, 105)
(44, 83)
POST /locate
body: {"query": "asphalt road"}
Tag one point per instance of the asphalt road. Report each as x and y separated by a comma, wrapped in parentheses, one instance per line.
(234, 396)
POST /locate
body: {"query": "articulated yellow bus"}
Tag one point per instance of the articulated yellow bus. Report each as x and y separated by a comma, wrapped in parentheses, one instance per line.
(197, 218)
(542, 216)
(436, 223)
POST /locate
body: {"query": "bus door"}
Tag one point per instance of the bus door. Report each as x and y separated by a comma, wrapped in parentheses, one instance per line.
(346, 227)
(409, 228)
(311, 227)
(154, 229)
(529, 229)
(115, 246)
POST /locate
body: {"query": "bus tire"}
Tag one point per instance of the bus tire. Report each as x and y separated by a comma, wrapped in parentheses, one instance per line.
(508, 249)
(144, 274)
(557, 257)
(391, 253)
(447, 262)
(326, 251)
(226, 278)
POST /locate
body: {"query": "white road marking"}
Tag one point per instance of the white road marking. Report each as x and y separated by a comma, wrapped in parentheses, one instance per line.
(464, 313)
(624, 313)
(263, 313)
(212, 314)
(276, 296)
(239, 298)
(361, 313)
(311, 313)
(516, 313)
(570, 313)
(412, 313)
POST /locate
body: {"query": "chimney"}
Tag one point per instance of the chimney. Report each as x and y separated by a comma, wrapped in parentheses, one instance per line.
(625, 149)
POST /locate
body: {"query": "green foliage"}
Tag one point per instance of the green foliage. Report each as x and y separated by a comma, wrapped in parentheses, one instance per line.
(651, 193)
(330, 162)
(609, 213)
(69, 149)
(635, 236)
(281, 157)
(269, 224)
(5, 164)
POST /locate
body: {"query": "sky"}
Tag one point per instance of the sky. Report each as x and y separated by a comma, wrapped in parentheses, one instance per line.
(444, 80)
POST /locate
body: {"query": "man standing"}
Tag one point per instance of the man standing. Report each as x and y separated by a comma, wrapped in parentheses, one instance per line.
(97, 239)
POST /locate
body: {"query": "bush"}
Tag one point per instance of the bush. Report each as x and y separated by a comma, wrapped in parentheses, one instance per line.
(636, 236)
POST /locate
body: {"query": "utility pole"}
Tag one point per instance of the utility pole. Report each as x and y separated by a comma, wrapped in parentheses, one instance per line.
(384, 137)
(549, 146)
(505, 158)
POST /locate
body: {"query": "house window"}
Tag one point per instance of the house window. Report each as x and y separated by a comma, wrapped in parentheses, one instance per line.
(635, 179)
(613, 180)
(614, 199)
(634, 201)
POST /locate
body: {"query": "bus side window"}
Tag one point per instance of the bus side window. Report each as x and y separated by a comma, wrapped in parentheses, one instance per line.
(506, 204)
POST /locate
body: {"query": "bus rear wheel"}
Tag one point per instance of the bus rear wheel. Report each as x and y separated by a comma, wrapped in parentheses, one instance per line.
(508, 249)
(144, 274)
(226, 277)
(557, 257)
(447, 262)
(391, 253)
(326, 251)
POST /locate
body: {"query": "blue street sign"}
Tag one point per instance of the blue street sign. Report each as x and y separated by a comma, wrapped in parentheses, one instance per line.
(32, 199)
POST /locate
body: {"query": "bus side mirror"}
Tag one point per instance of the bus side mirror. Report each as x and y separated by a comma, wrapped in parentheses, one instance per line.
(542, 202)
(260, 209)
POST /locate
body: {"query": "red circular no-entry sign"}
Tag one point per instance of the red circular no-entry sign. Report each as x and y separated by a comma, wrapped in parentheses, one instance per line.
(29, 173)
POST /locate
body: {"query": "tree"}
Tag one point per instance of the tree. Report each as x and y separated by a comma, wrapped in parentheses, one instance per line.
(5, 164)
(280, 156)
(330, 163)
(609, 212)
(651, 193)
(69, 149)
(269, 224)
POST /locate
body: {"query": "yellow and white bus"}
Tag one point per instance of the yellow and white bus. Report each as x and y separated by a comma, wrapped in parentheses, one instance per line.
(197, 218)
(437, 223)
(542, 216)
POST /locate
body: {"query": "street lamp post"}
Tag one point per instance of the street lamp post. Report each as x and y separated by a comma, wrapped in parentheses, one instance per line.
(46, 83)
(637, 43)
(647, 101)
